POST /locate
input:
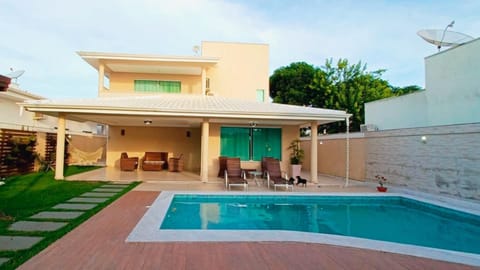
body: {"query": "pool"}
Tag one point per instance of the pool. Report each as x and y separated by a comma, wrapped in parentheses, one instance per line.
(393, 223)
(393, 219)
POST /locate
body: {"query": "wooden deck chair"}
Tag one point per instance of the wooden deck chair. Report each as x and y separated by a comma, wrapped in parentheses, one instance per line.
(274, 176)
(234, 176)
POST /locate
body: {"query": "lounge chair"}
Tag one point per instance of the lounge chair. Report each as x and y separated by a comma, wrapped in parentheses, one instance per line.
(274, 175)
(234, 176)
(175, 164)
(264, 165)
(128, 163)
(222, 164)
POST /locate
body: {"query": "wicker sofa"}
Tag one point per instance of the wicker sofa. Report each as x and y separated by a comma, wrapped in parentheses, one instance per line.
(155, 161)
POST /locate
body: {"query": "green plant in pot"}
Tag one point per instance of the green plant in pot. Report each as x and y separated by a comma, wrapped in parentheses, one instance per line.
(296, 157)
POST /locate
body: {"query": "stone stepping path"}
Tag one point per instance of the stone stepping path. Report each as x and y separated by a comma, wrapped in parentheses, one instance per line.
(87, 200)
(33, 226)
(57, 215)
(18, 242)
(114, 186)
(102, 189)
(98, 194)
(3, 260)
(75, 206)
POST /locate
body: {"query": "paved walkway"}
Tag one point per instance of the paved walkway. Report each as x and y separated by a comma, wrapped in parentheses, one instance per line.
(55, 218)
(99, 243)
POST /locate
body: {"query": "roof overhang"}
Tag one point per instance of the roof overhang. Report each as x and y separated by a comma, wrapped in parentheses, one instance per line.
(18, 95)
(148, 63)
(183, 110)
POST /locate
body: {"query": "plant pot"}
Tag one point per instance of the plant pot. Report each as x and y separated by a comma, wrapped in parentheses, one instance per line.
(382, 189)
(295, 170)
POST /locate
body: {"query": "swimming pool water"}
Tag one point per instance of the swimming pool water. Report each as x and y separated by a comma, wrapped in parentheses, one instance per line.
(394, 219)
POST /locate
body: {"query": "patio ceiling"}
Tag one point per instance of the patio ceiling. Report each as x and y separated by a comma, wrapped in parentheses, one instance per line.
(182, 110)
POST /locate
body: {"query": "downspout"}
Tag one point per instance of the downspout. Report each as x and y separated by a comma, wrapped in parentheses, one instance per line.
(347, 156)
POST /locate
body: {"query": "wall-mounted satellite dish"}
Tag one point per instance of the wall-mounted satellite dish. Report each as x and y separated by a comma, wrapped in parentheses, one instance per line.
(15, 74)
(443, 38)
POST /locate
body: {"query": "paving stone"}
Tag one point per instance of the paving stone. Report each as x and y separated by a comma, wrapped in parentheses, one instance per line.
(98, 194)
(32, 226)
(75, 206)
(107, 190)
(88, 200)
(114, 186)
(58, 215)
(18, 242)
(3, 260)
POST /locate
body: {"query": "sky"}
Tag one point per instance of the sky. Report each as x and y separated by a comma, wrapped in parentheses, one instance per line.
(42, 37)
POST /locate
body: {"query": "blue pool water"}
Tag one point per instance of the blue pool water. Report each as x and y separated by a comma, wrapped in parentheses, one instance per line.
(393, 219)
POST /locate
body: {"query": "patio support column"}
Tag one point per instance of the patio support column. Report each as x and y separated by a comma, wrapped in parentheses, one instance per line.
(204, 82)
(347, 154)
(204, 151)
(59, 157)
(101, 76)
(313, 152)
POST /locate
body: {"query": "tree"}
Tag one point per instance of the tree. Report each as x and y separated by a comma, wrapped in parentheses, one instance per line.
(291, 84)
(398, 91)
(347, 87)
(22, 154)
(339, 86)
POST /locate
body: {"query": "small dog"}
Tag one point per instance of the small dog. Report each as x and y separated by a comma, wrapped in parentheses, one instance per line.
(301, 181)
(291, 181)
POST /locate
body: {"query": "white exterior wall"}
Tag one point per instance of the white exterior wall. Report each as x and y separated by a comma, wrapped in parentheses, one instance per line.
(405, 111)
(453, 85)
(452, 94)
(12, 116)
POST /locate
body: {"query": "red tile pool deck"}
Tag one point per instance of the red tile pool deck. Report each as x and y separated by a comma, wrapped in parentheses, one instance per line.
(99, 243)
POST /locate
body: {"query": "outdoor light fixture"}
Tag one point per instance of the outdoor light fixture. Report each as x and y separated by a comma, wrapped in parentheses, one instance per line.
(147, 122)
(424, 139)
(253, 123)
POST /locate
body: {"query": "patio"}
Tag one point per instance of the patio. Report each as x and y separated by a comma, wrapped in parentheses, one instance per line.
(164, 180)
(99, 243)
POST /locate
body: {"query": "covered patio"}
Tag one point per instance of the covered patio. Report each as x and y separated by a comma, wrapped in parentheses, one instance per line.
(185, 124)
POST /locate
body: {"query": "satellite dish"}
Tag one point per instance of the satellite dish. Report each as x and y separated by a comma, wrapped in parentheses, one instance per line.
(196, 49)
(443, 38)
(15, 74)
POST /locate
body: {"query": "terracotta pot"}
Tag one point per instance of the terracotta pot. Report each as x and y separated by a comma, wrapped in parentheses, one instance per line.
(382, 189)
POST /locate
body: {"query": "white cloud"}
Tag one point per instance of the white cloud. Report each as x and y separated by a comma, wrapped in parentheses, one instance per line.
(44, 35)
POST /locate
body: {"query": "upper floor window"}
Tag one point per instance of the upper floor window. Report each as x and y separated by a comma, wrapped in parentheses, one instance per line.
(260, 95)
(157, 86)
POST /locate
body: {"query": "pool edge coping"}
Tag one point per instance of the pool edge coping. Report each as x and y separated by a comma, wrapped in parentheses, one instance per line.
(147, 229)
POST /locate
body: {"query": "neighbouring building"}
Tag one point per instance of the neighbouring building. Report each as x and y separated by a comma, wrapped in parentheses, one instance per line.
(84, 138)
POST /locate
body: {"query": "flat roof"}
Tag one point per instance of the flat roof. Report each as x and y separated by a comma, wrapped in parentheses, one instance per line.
(148, 63)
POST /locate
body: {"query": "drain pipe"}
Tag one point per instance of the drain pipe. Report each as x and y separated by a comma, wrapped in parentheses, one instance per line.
(347, 155)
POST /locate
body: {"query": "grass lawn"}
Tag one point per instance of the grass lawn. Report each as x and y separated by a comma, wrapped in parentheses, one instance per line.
(25, 195)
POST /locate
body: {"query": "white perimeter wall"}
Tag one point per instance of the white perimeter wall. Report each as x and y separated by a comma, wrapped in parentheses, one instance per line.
(447, 163)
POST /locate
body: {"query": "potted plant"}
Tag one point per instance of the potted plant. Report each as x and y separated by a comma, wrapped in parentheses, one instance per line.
(296, 157)
(381, 181)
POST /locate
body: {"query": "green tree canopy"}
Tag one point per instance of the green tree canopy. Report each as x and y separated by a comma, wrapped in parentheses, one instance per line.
(338, 86)
(290, 85)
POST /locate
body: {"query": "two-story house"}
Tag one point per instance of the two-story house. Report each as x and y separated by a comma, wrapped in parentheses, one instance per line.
(206, 106)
